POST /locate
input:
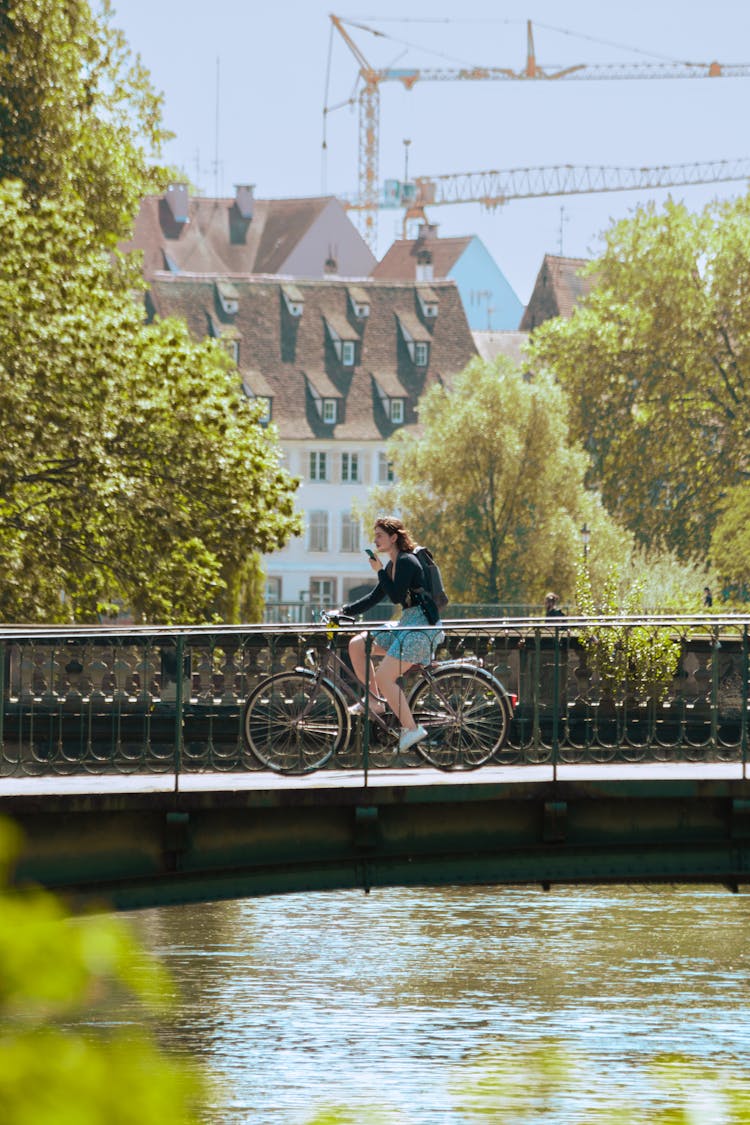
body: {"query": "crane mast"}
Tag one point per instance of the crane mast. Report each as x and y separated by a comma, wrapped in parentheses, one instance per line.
(369, 115)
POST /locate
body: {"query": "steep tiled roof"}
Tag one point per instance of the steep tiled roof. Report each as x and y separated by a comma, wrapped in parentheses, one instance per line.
(293, 358)
(491, 344)
(400, 262)
(557, 288)
(217, 239)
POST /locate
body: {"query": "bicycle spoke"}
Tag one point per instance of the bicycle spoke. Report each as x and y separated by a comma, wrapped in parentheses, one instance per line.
(294, 723)
(465, 715)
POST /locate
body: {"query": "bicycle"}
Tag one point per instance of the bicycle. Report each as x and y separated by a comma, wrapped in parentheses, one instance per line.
(295, 722)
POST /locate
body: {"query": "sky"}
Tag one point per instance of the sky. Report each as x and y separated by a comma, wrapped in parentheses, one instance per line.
(245, 84)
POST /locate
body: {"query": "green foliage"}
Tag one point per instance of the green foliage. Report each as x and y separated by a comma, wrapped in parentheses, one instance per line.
(640, 659)
(655, 362)
(53, 970)
(132, 467)
(79, 119)
(730, 542)
(493, 485)
(546, 1081)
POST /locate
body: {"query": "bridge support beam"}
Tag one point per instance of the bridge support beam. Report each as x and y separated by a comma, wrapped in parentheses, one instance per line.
(136, 850)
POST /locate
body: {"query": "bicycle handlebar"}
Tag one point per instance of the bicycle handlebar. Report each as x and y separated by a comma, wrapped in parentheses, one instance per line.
(336, 618)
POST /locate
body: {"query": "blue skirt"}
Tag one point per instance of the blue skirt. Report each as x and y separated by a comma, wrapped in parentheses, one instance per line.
(409, 644)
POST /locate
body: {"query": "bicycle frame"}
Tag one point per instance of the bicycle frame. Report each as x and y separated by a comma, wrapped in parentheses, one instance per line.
(295, 721)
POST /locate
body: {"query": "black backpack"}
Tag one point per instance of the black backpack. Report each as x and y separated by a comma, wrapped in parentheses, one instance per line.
(433, 581)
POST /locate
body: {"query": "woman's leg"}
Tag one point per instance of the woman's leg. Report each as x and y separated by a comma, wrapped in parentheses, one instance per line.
(358, 657)
(389, 670)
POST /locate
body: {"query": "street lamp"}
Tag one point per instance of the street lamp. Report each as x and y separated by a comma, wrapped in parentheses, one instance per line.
(585, 536)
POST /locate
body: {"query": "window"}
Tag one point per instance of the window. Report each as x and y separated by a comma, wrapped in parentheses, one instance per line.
(421, 353)
(385, 469)
(397, 410)
(318, 531)
(265, 402)
(294, 300)
(329, 410)
(322, 591)
(233, 347)
(348, 353)
(228, 297)
(318, 465)
(349, 468)
(273, 590)
(350, 532)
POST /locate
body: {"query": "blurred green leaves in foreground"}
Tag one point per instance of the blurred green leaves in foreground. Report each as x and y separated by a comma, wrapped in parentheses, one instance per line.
(54, 971)
(545, 1083)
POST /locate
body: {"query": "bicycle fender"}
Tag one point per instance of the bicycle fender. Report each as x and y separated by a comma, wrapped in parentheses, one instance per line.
(470, 668)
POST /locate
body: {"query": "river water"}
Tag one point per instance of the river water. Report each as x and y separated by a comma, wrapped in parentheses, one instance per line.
(452, 1006)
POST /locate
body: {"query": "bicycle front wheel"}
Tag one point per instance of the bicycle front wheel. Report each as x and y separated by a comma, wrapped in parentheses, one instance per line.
(295, 722)
(466, 716)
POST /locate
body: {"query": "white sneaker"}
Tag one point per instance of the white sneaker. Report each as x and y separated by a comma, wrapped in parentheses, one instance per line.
(410, 738)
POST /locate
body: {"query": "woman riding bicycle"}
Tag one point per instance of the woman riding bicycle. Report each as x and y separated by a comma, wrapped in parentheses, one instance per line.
(400, 643)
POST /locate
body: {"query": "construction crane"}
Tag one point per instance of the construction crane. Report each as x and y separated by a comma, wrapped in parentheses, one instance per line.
(372, 78)
(493, 189)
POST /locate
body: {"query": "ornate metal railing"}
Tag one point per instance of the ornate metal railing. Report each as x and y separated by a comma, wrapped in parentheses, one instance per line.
(98, 700)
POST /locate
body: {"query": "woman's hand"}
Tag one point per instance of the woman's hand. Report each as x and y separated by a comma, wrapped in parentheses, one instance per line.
(375, 563)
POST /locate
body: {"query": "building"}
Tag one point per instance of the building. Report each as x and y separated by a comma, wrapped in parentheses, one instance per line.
(490, 345)
(557, 288)
(294, 237)
(488, 299)
(340, 367)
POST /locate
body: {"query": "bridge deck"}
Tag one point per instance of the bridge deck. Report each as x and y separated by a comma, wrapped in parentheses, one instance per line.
(12, 788)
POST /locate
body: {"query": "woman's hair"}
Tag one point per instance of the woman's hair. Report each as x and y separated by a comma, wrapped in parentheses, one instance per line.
(551, 597)
(393, 526)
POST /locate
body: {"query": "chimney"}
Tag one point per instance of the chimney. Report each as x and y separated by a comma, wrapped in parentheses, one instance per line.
(178, 198)
(427, 232)
(245, 199)
(331, 264)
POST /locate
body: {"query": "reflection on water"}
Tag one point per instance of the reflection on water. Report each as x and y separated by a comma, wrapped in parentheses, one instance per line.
(389, 999)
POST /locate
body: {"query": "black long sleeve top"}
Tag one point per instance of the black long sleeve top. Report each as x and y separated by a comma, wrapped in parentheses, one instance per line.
(399, 586)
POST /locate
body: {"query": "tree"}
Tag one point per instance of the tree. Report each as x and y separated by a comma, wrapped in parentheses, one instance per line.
(132, 467)
(656, 364)
(53, 969)
(78, 116)
(730, 542)
(493, 486)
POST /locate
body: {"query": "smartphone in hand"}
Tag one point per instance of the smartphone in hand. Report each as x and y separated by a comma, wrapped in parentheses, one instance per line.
(369, 553)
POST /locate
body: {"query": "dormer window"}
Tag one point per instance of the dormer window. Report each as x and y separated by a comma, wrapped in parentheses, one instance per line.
(345, 349)
(397, 411)
(421, 353)
(360, 302)
(265, 403)
(294, 300)
(425, 269)
(348, 353)
(257, 389)
(417, 339)
(229, 298)
(428, 303)
(325, 398)
(228, 336)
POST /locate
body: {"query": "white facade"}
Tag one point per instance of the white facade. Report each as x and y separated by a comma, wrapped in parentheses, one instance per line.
(323, 565)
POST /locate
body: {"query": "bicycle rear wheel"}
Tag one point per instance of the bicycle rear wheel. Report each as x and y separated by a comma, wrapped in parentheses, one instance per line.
(294, 722)
(466, 716)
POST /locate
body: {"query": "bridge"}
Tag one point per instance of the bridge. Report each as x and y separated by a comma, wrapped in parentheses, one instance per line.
(124, 763)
